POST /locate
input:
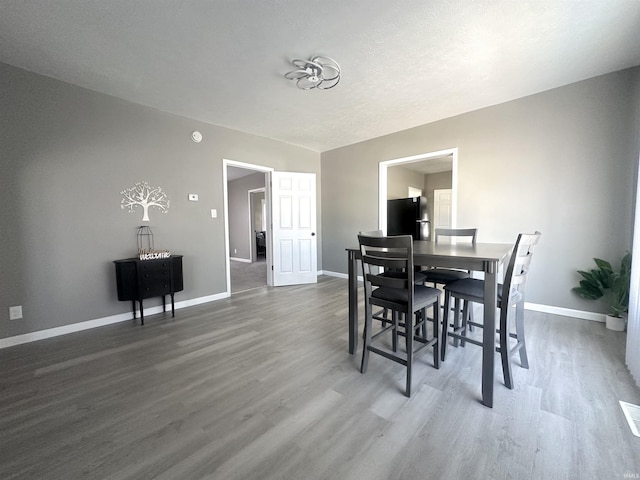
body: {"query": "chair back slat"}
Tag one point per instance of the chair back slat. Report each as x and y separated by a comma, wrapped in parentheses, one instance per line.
(518, 268)
(472, 233)
(394, 254)
(371, 233)
(391, 282)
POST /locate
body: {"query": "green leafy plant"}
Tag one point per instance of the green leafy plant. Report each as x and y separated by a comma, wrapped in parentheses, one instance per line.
(603, 281)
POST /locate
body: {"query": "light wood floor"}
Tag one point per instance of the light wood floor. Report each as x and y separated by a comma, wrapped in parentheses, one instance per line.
(260, 386)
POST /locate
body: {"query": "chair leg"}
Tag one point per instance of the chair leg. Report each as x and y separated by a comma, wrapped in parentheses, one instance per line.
(423, 327)
(504, 349)
(444, 340)
(409, 346)
(367, 339)
(436, 333)
(394, 331)
(524, 360)
(465, 325)
(456, 320)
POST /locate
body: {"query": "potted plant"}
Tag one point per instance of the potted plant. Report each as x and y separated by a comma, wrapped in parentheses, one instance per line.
(603, 281)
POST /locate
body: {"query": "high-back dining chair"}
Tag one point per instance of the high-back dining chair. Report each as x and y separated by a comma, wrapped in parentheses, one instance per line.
(443, 276)
(400, 295)
(510, 295)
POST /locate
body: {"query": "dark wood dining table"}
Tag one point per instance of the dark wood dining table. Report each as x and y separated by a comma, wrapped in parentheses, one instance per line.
(481, 257)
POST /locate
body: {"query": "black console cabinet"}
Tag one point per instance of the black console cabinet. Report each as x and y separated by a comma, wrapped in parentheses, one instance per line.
(140, 279)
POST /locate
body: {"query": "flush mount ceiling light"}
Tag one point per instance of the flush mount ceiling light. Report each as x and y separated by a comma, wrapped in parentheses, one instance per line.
(317, 72)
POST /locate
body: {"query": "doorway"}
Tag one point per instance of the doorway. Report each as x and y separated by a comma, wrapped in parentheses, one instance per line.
(426, 165)
(247, 225)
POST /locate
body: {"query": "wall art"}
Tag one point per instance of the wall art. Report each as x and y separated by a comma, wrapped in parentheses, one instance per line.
(145, 196)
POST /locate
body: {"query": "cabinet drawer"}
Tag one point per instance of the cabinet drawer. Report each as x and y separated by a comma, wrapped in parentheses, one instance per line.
(156, 288)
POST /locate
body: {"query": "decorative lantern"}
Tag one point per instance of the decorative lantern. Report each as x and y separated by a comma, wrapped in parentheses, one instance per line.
(146, 249)
(145, 240)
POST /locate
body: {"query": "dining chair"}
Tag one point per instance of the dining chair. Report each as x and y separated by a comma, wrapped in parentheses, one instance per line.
(510, 295)
(418, 279)
(407, 302)
(444, 276)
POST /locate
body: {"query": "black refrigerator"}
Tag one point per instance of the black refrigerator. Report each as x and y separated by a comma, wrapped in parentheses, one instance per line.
(409, 216)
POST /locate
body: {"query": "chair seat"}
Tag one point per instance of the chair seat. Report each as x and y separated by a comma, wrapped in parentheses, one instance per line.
(422, 296)
(418, 277)
(443, 275)
(472, 289)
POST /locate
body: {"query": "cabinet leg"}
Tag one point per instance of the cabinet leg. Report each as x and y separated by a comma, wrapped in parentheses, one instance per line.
(141, 313)
(133, 304)
(173, 308)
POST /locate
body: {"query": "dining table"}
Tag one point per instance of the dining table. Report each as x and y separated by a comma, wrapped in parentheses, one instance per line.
(479, 257)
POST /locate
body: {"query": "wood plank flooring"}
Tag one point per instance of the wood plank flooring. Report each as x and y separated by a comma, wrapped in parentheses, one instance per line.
(260, 386)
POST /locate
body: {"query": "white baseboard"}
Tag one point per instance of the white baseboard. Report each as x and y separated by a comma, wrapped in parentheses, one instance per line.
(100, 322)
(565, 312)
(341, 275)
(243, 260)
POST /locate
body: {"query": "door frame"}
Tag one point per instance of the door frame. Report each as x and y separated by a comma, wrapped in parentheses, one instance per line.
(252, 236)
(226, 163)
(382, 182)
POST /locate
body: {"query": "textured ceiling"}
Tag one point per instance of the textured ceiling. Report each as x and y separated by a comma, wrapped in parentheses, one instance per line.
(405, 63)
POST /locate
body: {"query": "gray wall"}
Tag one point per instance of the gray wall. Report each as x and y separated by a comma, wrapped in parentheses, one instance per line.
(66, 153)
(399, 179)
(239, 220)
(562, 162)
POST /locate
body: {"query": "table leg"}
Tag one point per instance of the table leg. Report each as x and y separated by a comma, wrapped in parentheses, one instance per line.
(489, 332)
(353, 302)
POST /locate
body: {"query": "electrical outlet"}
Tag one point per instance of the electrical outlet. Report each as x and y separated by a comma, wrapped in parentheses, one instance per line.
(15, 313)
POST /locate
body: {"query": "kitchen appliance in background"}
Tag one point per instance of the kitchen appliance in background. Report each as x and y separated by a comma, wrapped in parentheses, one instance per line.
(409, 216)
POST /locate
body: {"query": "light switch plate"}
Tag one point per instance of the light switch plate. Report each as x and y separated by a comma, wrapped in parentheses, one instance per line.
(193, 197)
(15, 313)
(214, 213)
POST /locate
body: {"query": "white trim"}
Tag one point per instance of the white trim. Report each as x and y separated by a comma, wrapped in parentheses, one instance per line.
(252, 236)
(341, 275)
(100, 322)
(565, 312)
(382, 182)
(243, 260)
(225, 198)
(632, 355)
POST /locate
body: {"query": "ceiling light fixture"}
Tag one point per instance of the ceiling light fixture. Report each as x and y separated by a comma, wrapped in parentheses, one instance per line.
(317, 72)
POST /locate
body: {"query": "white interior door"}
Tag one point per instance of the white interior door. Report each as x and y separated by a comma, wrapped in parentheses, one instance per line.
(442, 207)
(293, 210)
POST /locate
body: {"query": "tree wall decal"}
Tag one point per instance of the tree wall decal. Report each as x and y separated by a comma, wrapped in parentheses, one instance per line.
(145, 196)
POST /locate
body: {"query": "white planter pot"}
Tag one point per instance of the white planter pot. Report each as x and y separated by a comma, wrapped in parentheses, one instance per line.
(616, 323)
